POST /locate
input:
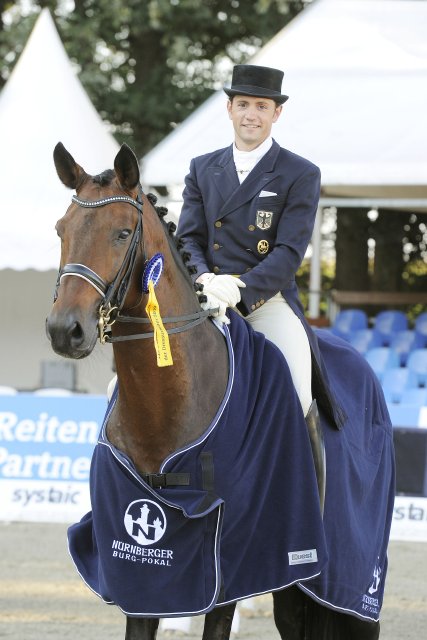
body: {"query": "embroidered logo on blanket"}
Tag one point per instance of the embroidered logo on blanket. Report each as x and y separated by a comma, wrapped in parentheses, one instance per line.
(145, 521)
(371, 602)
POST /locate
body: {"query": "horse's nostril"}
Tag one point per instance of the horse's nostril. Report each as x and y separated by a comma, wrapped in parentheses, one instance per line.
(76, 334)
(68, 335)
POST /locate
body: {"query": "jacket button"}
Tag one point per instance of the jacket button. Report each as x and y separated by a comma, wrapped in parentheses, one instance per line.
(253, 307)
(262, 301)
(218, 224)
(251, 227)
(216, 246)
(216, 269)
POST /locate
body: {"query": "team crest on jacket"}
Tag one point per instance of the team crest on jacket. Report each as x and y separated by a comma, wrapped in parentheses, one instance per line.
(264, 219)
(263, 247)
(145, 521)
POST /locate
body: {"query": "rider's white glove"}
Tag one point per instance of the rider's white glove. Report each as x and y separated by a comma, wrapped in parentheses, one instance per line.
(213, 302)
(223, 287)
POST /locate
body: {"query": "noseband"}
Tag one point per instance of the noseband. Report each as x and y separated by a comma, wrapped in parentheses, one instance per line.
(114, 293)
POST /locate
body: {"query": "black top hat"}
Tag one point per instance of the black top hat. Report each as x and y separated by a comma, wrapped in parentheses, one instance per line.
(261, 82)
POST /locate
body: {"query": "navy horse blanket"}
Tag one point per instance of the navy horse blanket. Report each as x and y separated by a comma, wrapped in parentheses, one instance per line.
(247, 520)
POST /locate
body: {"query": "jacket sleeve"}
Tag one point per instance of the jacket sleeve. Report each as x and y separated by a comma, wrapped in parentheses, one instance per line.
(277, 271)
(192, 227)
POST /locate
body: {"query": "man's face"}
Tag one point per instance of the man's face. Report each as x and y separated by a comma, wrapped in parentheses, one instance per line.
(252, 120)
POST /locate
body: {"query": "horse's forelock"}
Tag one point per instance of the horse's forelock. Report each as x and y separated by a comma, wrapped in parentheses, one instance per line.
(105, 178)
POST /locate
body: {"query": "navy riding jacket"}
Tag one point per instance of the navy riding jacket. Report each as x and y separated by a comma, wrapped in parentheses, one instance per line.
(259, 230)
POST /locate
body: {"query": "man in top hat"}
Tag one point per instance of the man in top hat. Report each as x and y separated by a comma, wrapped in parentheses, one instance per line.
(249, 211)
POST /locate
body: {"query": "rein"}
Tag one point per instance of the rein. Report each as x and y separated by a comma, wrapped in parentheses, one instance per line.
(114, 293)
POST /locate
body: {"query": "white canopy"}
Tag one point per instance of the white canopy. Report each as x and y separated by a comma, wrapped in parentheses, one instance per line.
(356, 74)
(42, 103)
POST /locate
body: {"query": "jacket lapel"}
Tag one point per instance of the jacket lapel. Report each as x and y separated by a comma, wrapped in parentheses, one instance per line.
(224, 176)
(254, 183)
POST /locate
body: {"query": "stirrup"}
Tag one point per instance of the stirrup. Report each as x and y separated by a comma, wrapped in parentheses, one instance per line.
(312, 420)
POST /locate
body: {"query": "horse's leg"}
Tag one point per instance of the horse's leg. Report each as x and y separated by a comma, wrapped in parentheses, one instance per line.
(360, 630)
(299, 617)
(141, 628)
(218, 623)
(289, 613)
(325, 624)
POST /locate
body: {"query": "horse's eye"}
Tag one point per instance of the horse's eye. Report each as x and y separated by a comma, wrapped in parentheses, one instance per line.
(124, 235)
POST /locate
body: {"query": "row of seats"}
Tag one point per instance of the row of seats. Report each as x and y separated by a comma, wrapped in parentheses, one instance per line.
(396, 352)
(400, 385)
(402, 343)
(384, 359)
(388, 326)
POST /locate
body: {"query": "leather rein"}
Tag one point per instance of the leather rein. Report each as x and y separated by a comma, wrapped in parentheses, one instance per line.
(114, 293)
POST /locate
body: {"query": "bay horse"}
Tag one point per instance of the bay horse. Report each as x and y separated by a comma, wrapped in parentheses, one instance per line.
(119, 264)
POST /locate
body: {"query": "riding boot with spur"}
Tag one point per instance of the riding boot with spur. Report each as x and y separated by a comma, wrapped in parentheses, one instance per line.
(317, 442)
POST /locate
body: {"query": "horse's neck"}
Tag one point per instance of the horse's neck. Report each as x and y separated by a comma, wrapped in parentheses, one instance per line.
(159, 409)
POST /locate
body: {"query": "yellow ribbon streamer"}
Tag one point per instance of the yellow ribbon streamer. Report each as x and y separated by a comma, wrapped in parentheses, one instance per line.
(161, 338)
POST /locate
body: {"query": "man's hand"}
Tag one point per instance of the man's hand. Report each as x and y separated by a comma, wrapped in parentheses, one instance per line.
(223, 287)
(213, 302)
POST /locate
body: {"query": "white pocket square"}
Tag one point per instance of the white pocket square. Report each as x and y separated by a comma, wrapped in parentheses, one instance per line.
(265, 194)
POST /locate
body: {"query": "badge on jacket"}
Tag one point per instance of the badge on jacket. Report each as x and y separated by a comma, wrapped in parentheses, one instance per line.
(263, 246)
(264, 219)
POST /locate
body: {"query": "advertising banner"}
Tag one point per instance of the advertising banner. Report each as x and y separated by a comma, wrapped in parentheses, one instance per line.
(409, 519)
(46, 444)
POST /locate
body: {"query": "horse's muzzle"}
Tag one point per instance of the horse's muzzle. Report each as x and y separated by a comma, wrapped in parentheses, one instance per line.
(68, 335)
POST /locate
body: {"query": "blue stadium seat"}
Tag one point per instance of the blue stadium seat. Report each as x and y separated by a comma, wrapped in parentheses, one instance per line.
(417, 362)
(396, 381)
(381, 359)
(363, 340)
(403, 343)
(348, 321)
(404, 415)
(388, 323)
(416, 396)
(420, 329)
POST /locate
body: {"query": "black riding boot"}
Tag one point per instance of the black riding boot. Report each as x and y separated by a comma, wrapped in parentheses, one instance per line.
(315, 433)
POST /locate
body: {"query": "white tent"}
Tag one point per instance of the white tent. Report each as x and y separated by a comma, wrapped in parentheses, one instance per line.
(356, 74)
(42, 103)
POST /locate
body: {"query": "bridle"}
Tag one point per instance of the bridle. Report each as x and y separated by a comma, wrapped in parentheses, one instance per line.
(114, 293)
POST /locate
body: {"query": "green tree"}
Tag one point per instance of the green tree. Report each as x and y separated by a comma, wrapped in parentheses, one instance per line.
(147, 64)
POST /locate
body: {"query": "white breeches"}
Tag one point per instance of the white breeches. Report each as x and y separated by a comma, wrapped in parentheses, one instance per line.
(276, 320)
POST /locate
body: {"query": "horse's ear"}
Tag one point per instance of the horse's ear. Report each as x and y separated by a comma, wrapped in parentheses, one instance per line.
(69, 172)
(126, 168)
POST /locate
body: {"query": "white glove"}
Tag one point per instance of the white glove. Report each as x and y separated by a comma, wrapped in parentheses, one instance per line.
(224, 287)
(213, 302)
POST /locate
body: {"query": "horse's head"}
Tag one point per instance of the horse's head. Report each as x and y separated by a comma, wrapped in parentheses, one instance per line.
(100, 242)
